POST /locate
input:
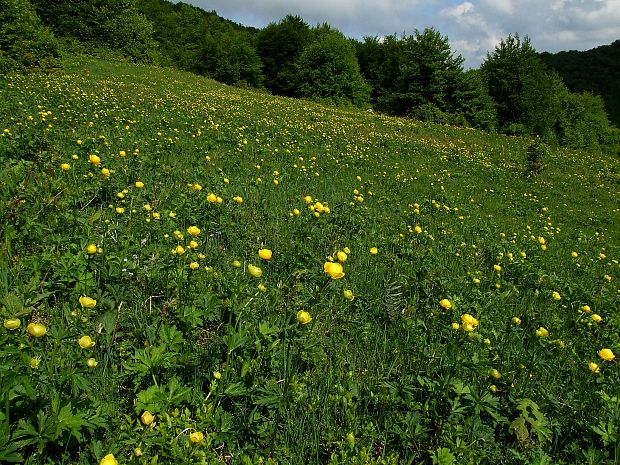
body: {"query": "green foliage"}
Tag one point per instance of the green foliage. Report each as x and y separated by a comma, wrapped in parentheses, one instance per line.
(229, 58)
(279, 47)
(327, 70)
(24, 43)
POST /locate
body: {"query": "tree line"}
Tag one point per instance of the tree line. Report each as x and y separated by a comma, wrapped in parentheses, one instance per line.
(417, 75)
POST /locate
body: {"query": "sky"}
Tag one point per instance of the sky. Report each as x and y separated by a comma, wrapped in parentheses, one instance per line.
(473, 27)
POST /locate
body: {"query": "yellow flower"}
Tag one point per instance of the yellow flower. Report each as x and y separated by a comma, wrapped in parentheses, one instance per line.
(606, 354)
(212, 198)
(36, 329)
(87, 302)
(196, 437)
(65, 167)
(137, 452)
(156, 215)
(236, 263)
(265, 254)
(139, 184)
(495, 373)
(469, 322)
(308, 199)
(193, 231)
(516, 320)
(147, 418)
(94, 159)
(574, 255)
(85, 342)
(542, 332)
(296, 212)
(122, 153)
(194, 265)
(12, 323)
(179, 250)
(445, 303)
(556, 295)
(455, 326)
(347, 250)
(596, 318)
(255, 271)
(105, 172)
(342, 257)
(374, 251)
(497, 268)
(91, 362)
(238, 199)
(418, 230)
(196, 187)
(594, 368)
(91, 248)
(541, 240)
(348, 294)
(586, 309)
(108, 460)
(304, 317)
(120, 210)
(34, 363)
(334, 270)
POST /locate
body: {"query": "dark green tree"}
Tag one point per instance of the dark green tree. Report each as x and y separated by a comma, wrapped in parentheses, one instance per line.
(525, 93)
(279, 46)
(327, 69)
(24, 42)
(230, 58)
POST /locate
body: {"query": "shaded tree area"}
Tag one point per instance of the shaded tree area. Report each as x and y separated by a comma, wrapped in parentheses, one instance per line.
(25, 44)
(204, 43)
(112, 24)
(596, 71)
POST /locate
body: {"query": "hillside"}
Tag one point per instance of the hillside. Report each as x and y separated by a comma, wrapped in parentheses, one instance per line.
(596, 71)
(197, 273)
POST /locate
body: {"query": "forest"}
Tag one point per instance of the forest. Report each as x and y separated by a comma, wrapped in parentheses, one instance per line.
(569, 99)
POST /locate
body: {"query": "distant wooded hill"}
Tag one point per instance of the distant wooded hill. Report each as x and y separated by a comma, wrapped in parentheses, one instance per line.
(596, 71)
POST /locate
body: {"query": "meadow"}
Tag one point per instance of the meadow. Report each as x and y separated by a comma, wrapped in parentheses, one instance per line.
(197, 273)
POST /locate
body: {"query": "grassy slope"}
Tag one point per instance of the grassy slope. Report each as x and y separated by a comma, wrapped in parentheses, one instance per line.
(476, 209)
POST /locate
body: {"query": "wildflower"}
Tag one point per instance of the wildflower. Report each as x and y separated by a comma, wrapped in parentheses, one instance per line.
(94, 159)
(497, 268)
(594, 368)
(139, 184)
(137, 452)
(85, 342)
(196, 187)
(194, 265)
(196, 437)
(516, 320)
(374, 251)
(296, 212)
(606, 354)
(172, 215)
(493, 388)
(445, 303)
(495, 373)
(212, 198)
(262, 287)
(348, 294)
(108, 460)
(255, 271)
(238, 199)
(304, 317)
(334, 270)
(193, 231)
(418, 230)
(596, 318)
(120, 210)
(12, 323)
(122, 153)
(265, 254)
(469, 322)
(585, 309)
(156, 215)
(193, 245)
(236, 263)
(87, 302)
(91, 249)
(556, 295)
(217, 375)
(455, 326)
(147, 418)
(541, 240)
(179, 250)
(342, 257)
(574, 255)
(36, 329)
(65, 167)
(308, 199)
(105, 172)
(34, 363)
(542, 332)
(475, 281)
(91, 363)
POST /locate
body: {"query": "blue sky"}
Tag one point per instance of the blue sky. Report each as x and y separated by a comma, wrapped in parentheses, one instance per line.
(473, 27)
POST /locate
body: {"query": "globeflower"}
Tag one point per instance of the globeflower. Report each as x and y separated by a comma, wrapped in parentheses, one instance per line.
(334, 270)
(36, 329)
(193, 231)
(196, 437)
(606, 354)
(194, 265)
(91, 363)
(304, 317)
(469, 322)
(91, 249)
(374, 251)
(87, 302)
(65, 167)
(594, 368)
(255, 271)
(12, 323)
(342, 257)
(445, 303)
(108, 460)
(265, 254)
(542, 332)
(147, 418)
(94, 159)
(85, 342)
(348, 294)
(139, 184)
(556, 295)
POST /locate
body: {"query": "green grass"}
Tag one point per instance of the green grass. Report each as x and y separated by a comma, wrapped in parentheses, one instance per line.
(383, 378)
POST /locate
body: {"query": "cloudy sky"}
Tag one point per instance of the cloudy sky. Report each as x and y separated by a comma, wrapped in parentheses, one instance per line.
(473, 27)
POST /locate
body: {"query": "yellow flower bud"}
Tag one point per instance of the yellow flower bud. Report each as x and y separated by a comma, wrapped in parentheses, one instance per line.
(147, 418)
(12, 323)
(304, 317)
(85, 342)
(36, 329)
(196, 437)
(265, 254)
(87, 302)
(255, 271)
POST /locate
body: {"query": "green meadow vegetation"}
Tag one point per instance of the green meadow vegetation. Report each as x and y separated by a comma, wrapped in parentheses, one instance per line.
(195, 273)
